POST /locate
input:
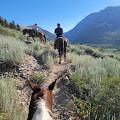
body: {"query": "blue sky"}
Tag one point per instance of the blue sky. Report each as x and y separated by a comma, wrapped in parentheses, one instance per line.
(47, 13)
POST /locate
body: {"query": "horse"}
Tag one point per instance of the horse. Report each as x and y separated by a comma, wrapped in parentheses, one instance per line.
(61, 44)
(32, 34)
(40, 107)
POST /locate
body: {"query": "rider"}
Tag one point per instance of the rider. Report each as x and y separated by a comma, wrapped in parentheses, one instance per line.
(35, 28)
(58, 31)
(60, 43)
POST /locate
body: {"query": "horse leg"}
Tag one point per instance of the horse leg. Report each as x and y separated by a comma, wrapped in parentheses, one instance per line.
(64, 55)
(27, 38)
(60, 59)
(60, 56)
(33, 39)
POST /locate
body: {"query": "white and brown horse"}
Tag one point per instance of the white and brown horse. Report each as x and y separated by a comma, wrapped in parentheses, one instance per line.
(41, 102)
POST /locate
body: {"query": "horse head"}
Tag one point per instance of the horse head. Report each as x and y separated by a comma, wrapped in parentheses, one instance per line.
(41, 102)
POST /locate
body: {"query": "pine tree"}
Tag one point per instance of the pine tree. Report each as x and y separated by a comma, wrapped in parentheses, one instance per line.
(6, 23)
(1, 21)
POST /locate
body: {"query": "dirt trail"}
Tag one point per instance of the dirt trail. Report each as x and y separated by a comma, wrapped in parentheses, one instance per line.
(63, 107)
(58, 72)
(61, 91)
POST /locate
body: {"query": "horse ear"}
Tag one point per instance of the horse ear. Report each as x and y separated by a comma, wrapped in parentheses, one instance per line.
(32, 85)
(51, 87)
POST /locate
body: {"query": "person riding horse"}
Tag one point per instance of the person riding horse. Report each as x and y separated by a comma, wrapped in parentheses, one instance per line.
(58, 31)
(35, 33)
(60, 43)
(35, 29)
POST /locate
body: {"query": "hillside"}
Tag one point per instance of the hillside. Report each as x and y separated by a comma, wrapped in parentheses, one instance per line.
(98, 28)
(88, 83)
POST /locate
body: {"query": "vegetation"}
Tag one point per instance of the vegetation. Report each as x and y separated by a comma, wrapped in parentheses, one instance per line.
(86, 50)
(45, 55)
(12, 51)
(11, 25)
(6, 32)
(12, 33)
(10, 108)
(37, 78)
(99, 83)
(95, 71)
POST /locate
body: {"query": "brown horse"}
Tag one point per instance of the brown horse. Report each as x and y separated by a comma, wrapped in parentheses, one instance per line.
(61, 44)
(32, 34)
(41, 102)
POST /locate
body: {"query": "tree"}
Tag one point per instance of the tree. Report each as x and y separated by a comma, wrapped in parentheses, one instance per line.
(6, 23)
(2, 21)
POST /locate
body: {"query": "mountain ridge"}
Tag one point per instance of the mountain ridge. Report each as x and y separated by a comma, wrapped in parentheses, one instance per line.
(98, 28)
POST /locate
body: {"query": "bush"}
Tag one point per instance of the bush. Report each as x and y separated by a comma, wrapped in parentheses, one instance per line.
(10, 109)
(93, 52)
(6, 32)
(99, 83)
(12, 51)
(45, 57)
(21, 37)
(34, 49)
(76, 49)
(86, 50)
(37, 78)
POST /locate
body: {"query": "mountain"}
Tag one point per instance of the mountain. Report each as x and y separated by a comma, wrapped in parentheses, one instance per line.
(50, 36)
(98, 28)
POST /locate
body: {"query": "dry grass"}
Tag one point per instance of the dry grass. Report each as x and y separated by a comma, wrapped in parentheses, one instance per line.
(12, 50)
(10, 107)
(99, 77)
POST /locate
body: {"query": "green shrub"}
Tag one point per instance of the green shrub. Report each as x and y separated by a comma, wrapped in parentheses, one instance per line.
(12, 51)
(37, 78)
(34, 49)
(104, 105)
(76, 49)
(19, 36)
(86, 50)
(99, 83)
(45, 57)
(93, 52)
(6, 32)
(10, 108)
